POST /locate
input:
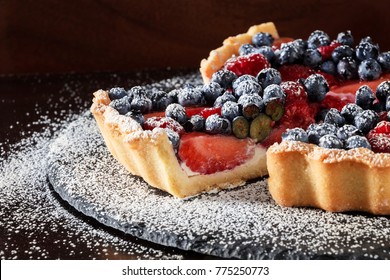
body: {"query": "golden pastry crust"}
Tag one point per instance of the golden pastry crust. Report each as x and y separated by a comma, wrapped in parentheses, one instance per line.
(150, 154)
(230, 47)
(335, 180)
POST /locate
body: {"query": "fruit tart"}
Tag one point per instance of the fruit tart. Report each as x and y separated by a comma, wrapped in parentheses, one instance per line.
(319, 107)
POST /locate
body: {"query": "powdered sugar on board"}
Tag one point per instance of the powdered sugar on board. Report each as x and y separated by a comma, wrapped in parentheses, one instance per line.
(237, 223)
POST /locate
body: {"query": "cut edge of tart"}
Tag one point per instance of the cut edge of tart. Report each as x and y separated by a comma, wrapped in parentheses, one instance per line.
(303, 174)
(150, 154)
(230, 47)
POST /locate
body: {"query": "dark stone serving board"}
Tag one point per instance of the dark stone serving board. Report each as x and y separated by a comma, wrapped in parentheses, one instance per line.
(242, 223)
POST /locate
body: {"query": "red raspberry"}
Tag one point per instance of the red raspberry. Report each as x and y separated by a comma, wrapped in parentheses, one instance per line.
(299, 114)
(294, 91)
(250, 64)
(326, 51)
(379, 137)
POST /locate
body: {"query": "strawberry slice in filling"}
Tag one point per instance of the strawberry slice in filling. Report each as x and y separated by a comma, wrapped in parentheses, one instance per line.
(206, 154)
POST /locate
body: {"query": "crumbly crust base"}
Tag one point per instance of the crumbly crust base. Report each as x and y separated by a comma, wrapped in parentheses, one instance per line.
(150, 154)
(335, 180)
(230, 47)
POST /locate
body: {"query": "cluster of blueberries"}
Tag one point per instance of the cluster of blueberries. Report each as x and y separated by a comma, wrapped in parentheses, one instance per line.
(364, 61)
(348, 128)
(249, 105)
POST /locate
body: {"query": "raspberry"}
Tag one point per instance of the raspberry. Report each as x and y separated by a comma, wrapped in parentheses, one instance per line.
(294, 91)
(326, 51)
(379, 137)
(250, 64)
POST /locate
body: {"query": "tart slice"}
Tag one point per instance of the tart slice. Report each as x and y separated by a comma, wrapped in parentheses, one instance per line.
(259, 88)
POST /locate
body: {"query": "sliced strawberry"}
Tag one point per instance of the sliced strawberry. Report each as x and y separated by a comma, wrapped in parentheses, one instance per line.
(326, 51)
(382, 127)
(275, 136)
(294, 91)
(294, 72)
(250, 64)
(163, 122)
(208, 154)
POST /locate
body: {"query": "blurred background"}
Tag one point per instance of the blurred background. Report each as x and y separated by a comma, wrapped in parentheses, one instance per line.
(102, 35)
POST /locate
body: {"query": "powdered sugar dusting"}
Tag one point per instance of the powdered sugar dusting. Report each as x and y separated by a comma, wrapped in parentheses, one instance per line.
(240, 223)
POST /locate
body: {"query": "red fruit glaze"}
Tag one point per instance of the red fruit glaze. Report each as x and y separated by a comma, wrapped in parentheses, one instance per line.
(163, 122)
(294, 91)
(294, 72)
(326, 51)
(208, 154)
(337, 100)
(250, 64)
(352, 86)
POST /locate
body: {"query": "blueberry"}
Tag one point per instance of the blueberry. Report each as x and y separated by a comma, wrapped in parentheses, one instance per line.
(345, 38)
(301, 46)
(316, 87)
(138, 92)
(346, 131)
(347, 68)
(295, 134)
(197, 122)
(369, 69)
(357, 141)
(246, 49)
(173, 95)
(312, 58)
(341, 52)
(174, 137)
(384, 60)
(288, 54)
(266, 51)
(176, 112)
(251, 105)
(317, 39)
(383, 91)
(350, 111)
(142, 104)
(330, 141)
(247, 87)
(224, 77)
(243, 78)
(117, 93)
(378, 106)
(212, 91)
(364, 97)
(161, 100)
(137, 116)
(262, 39)
(216, 124)
(269, 76)
(321, 114)
(366, 120)
(191, 96)
(366, 50)
(387, 104)
(230, 110)
(316, 131)
(333, 116)
(121, 105)
(273, 92)
(227, 96)
(366, 39)
(329, 67)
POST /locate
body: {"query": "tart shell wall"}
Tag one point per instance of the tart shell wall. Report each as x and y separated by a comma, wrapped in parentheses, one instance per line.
(150, 154)
(335, 180)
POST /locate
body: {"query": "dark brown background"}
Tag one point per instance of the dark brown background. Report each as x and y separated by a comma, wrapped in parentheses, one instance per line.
(102, 35)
